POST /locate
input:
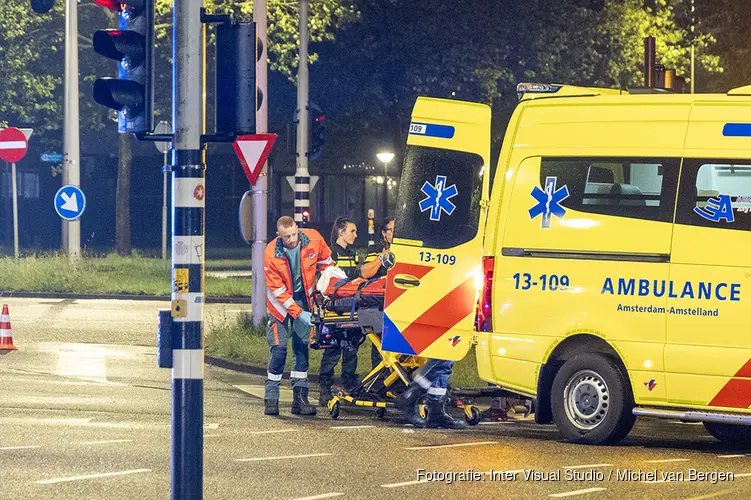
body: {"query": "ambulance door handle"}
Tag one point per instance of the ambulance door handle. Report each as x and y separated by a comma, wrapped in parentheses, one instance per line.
(406, 281)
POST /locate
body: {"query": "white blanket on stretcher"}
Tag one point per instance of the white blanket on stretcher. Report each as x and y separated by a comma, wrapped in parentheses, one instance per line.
(330, 273)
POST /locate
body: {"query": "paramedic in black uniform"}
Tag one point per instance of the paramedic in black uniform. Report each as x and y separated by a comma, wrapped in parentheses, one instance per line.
(343, 236)
(374, 268)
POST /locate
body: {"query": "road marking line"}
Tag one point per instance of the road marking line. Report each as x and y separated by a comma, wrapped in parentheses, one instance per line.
(731, 456)
(319, 497)
(107, 442)
(433, 447)
(587, 466)
(213, 427)
(92, 476)
(259, 459)
(496, 423)
(712, 495)
(67, 420)
(18, 447)
(406, 483)
(353, 427)
(275, 431)
(667, 460)
(576, 492)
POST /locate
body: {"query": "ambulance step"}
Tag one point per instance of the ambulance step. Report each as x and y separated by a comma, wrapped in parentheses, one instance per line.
(694, 416)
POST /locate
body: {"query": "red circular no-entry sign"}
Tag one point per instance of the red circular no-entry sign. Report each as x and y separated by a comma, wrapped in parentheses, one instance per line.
(13, 144)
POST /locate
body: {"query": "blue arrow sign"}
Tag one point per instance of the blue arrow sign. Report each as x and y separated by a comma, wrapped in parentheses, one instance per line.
(51, 157)
(70, 202)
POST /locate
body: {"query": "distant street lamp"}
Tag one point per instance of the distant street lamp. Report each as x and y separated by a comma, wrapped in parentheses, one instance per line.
(385, 157)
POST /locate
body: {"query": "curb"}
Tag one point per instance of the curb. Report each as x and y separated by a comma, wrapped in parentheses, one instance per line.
(239, 367)
(121, 296)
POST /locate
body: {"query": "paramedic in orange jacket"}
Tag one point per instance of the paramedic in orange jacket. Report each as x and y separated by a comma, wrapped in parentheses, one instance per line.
(290, 263)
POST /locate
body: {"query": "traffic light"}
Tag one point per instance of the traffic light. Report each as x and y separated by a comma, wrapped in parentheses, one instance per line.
(305, 217)
(316, 133)
(132, 93)
(42, 6)
(237, 97)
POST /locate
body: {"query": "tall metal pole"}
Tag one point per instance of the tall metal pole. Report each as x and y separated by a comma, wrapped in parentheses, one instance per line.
(188, 203)
(71, 147)
(693, 46)
(15, 208)
(302, 176)
(260, 190)
(165, 169)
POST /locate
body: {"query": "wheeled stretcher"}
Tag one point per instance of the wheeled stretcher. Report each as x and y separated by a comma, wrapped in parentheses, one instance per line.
(345, 315)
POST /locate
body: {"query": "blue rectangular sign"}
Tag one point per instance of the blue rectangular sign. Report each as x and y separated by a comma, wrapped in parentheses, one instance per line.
(51, 157)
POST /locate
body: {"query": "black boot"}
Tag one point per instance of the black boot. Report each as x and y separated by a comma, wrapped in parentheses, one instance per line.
(300, 403)
(437, 416)
(407, 403)
(326, 396)
(271, 407)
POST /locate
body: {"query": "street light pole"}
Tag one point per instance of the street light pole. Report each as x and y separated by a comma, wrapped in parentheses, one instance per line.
(71, 147)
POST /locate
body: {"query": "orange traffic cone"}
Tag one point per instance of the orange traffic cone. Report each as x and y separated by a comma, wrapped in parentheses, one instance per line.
(6, 340)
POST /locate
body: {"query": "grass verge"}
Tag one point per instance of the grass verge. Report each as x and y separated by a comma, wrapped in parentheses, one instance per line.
(111, 274)
(234, 338)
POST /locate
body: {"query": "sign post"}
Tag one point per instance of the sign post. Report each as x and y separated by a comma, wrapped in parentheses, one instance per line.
(164, 127)
(13, 146)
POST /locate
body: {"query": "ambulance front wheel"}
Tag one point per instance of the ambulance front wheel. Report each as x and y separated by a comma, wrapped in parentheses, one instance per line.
(591, 400)
(730, 433)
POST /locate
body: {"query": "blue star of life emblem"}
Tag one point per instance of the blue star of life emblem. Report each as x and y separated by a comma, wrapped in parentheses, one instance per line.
(548, 202)
(438, 198)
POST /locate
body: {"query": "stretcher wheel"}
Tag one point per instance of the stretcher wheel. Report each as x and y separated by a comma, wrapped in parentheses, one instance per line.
(335, 411)
(473, 416)
(380, 413)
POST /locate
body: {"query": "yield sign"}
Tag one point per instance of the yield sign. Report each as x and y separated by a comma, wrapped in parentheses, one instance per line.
(13, 144)
(253, 150)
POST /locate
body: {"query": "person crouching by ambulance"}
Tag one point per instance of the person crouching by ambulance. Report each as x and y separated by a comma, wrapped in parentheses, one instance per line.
(290, 263)
(374, 267)
(343, 236)
(433, 379)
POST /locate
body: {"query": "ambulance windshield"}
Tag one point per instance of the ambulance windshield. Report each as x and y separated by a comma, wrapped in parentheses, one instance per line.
(439, 197)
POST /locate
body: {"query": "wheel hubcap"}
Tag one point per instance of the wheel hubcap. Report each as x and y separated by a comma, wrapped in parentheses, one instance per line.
(586, 399)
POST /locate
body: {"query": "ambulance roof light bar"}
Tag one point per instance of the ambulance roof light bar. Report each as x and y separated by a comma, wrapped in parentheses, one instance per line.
(536, 88)
(542, 90)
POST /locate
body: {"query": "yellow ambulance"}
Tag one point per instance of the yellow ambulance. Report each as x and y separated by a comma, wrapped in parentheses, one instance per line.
(607, 275)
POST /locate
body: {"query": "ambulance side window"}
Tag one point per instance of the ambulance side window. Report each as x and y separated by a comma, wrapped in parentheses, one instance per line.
(638, 188)
(715, 193)
(439, 197)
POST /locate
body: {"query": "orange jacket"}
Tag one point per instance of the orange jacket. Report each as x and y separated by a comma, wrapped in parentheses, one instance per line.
(314, 255)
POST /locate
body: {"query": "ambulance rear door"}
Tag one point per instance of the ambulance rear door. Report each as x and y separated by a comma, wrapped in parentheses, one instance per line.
(431, 292)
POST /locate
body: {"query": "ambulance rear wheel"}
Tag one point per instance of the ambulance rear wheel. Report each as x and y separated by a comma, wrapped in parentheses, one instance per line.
(730, 433)
(591, 400)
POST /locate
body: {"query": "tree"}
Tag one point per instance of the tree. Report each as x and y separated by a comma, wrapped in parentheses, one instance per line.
(374, 71)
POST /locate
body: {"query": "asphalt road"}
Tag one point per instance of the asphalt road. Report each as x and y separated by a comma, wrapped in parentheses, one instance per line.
(85, 413)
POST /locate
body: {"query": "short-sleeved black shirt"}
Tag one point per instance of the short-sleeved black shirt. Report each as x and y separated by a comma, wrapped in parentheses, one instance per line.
(346, 260)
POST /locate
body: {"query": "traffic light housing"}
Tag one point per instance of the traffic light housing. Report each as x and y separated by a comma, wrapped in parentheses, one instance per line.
(237, 97)
(317, 131)
(132, 46)
(42, 6)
